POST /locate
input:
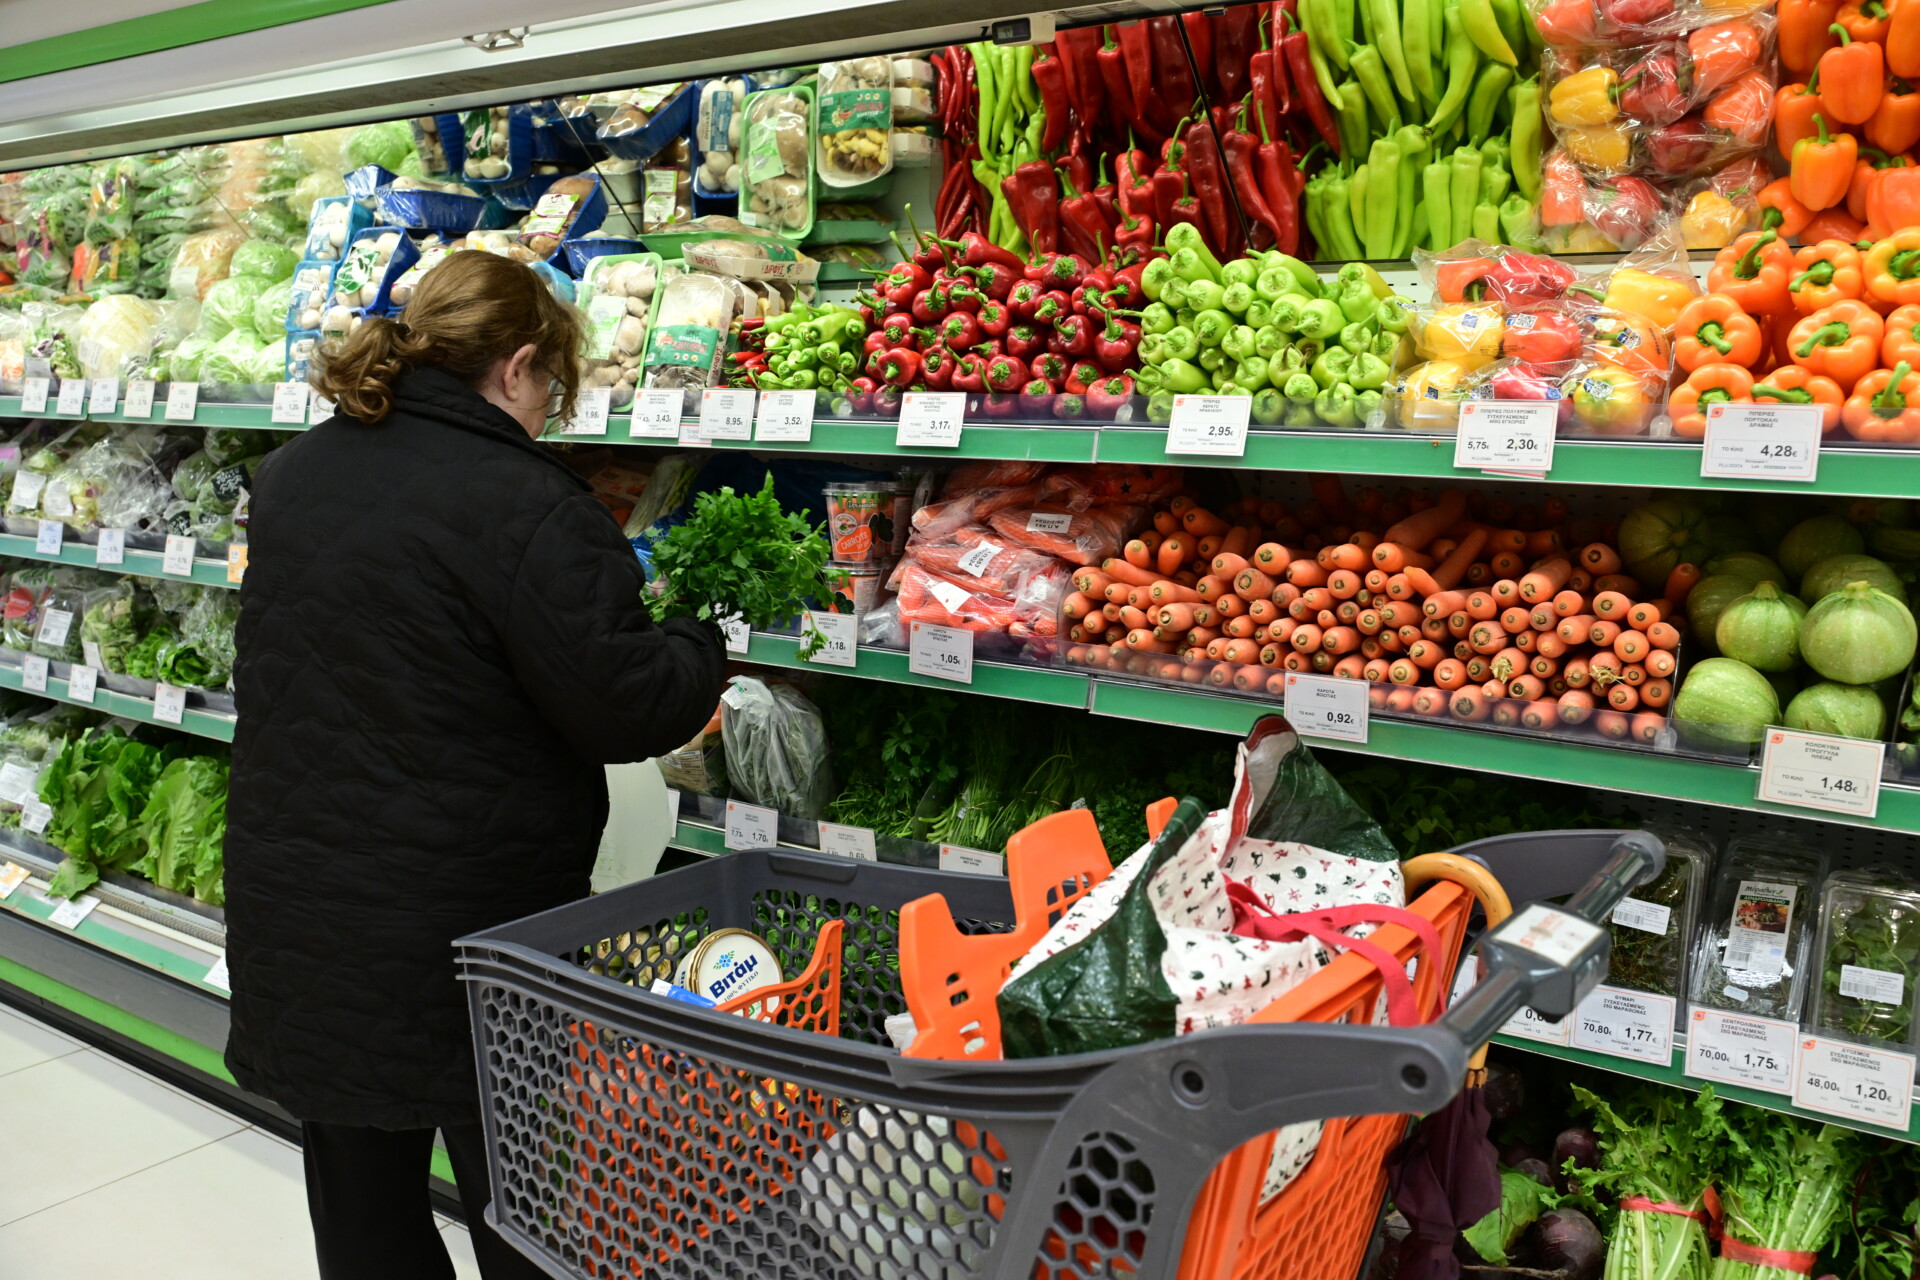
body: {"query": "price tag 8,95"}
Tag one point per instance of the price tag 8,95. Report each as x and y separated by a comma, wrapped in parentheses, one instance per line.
(1506, 435)
(1776, 442)
(945, 653)
(1327, 707)
(726, 414)
(1215, 425)
(1813, 771)
(931, 420)
(785, 415)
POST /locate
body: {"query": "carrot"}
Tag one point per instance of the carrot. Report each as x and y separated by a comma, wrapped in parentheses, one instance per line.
(1306, 637)
(1470, 704)
(1348, 611)
(1598, 558)
(1683, 579)
(1422, 582)
(1400, 701)
(1631, 646)
(1404, 671)
(1251, 583)
(1624, 584)
(1540, 716)
(1205, 615)
(1277, 684)
(1544, 665)
(1301, 611)
(1634, 674)
(1135, 619)
(1141, 638)
(1507, 564)
(1647, 613)
(1096, 622)
(1443, 603)
(1429, 702)
(1197, 672)
(1345, 583)
(1434, 630)
(1526, 686)
(1480, 606)
(1663, 635)
(1487, 638)
(1390, 556)
(1208, 547)
(1458, 624)
(1546, 580)
(1513, 541)
(1239, 541)
(1580, 580)
(1182, 503)
(1611, 724)
(1575, 630)
(1270, 654)
(1286, 593)
(1389, 642)
(1525, 640)
(1202, 637)
(1271, 557)
(1318, 598)
(1516, 620)
(1227, 565)
(1166, 591)
(1656, 693)
(1217, 648)
(1661, 663)
(1212, 587)
(1305, 573)
(1507, 664)
(1506, 712)
(1400, 587)
(1453, 569)
(1090, 582)
(1240, 628)
(1479, 574)
(1138, 554)
(1262, 611)
(1076, 605)
(1568, 603)
(1369, 622)
(1376, 669)
(1230, 605)
(1550, 645)
(1173, 554)
(1477, 669)
(1575, 706)
(1610, 606)
(1450, 673)
(1245, 651)
(1202, 523)
(1249, 679)
(1166, 523)
(1351, 667)
(1542, 618)
(1604, 668)
(1425, 654)
(1221, 676)
(1140, 597)
(1556, 687)
(1349, 557)
(1186, 577)
(1545, 542)
(1376, 580)
(1505, 593)
(1422, 527)
(1132, 575)
(1340, 640)
(1296, 661)
(1365, 539)
(1623, 697)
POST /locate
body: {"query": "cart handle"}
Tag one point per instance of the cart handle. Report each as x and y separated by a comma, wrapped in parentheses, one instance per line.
(1428, 867)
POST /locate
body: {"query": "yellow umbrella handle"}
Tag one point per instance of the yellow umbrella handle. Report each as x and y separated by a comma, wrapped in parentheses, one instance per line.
(1424, 870)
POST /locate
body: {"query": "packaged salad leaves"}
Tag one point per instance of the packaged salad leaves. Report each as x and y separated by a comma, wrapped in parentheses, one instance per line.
(1869, 955)
(112, 625)
(1753, 952)
(57, 633)
(1653, 929)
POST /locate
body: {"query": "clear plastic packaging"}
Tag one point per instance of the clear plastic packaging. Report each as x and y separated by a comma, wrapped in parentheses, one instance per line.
(854, 113)
(1869, 958)
(778, 169)
(56, 635)
(776, 746)
(1653, 927)
(27, 590)
(488, 150)
(688, 337)
(1753, 950)
(751, 258)
(617, 295)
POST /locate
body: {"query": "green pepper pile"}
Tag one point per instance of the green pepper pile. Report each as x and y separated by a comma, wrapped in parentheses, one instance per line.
(806, 349)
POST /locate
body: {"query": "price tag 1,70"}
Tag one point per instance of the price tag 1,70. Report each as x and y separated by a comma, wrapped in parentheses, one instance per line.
(81, 682)
(726, 413)
(169, 703)
(848, 842)
(1327, 707)
(103, 395)
(785, 415)
(178, 558)
(1775, 442)
(1506, 435)
(1856, 1081)
(590, 409)
(139, 400)
(1813, 771)
(290, 403)
(1735, 1049)
(840, 638)
(1215, 425)
(1625, 1024)
(751, 827)
(112, 547)
(973, 862)
(656, 414)
(73, 397)
(183, 401)
(945, 653)
(33, 673)
(33, 395)
(931, 420)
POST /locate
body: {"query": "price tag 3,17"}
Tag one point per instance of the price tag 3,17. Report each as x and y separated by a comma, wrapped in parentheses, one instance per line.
(1214, 425)
(839, 638)
(945, 653)
(1327, 707)
(726, 413)
(1856, 1081)
(1735, 1049)
(786, 416)
(1772, 442)
(1506, 435)
(931, 420)
(751, 827)
(1814, 771)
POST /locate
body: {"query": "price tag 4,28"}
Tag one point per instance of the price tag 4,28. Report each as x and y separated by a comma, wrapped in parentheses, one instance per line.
(945, 653)
(1215, 425)
(785, 415)
(931, 420)
(751, 827)
(1776, 442)
(1327, 707)
(1814, 771)
(1506, 435)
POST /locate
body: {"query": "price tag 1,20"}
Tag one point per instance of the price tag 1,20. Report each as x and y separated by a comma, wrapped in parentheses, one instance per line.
(70, 913)
(848, 842)
(1773, 442)
(33, 395)
(590, 409)
(1856, 1081)
(840, 638)
(178, 558)
(1214, 425)
(102, 395)
(1506, 435)
(48, 537)
(726, 413)
(1735, 1049)
(72, 401)
(931, 420)
(751, 827)
(1327, 707)
(33, 673)
(138, 402)
(785, 415)
(12, 876)
(656, 414)
(183, 401)
(1625, 1024)
(169, 703)
(82, 680)
(973, 862)
(945, 653)
(1814, 771)
(290, 403)
(112, 547)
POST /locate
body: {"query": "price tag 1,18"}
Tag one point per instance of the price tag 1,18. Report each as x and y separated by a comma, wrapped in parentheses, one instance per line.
(751, 827)
(82, 680)
(72, 401)
(138, 402)
(1734, 1049)
(973, 862)
(33, 673)
(1625, 1024)
(590, 409)
(290, 403)
(12, 876)
(1506, 435)
(217, 975)
(169, 703)
(48, 537)
(840, 637)
(1814, 771)
(1327, 707)
(1776, 442)
(931, 420)
(183, 401)
(112, 547)
(102, 395)
(656, 414)
(785, 415)
(33, 395)
(70, 913)
(726, 413)
(848, 842)
(178, 558)
(1215, 425)
(945, 653)
(1856, 1081)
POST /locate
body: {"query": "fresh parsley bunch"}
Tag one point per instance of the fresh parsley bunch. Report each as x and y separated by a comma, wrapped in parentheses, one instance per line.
(740, 554)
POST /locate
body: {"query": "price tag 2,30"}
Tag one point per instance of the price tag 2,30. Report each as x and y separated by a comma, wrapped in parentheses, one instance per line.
(1735, 1049)
(840, 638)
(1856, 1081)
(726, 413)
(751, 827)
(178, 559)
(1506, 435)
(785, 415)
(1814, 771)
(102, 395)
(33, 395)
(73, 397)
(33, 673)
(848, 842)
(138, 402)
(945, 653)
(973, 862)
(1214, 425)
(169, 703)
(1773, 442)
(1625, 1024)
(183, 401)
(112, 547)
(1327, 707)
(656, 414)
(931, 420)
(81, 682)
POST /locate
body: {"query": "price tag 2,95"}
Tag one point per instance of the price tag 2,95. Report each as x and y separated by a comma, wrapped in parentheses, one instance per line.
(1215, 425)
(1814, 771)
(931, 420)
(945, 653)
(1506, 435)
(1327, 707)
(1775, 442)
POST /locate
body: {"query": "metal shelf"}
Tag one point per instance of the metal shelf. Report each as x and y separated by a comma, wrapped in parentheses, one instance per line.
(205, 724)
(142, 564)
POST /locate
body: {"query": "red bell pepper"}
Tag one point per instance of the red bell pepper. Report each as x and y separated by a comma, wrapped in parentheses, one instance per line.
(860, 392)
(930, 253)
(960, 331)
(1519, 279)
(970, 372)
(1036, 398)
(1025, 341)
(1126, 285)
(965, 297)
(1076, 334)
(1116, 342)
(887, 401)
(993, 318)
(896, 329)
(1082, 374)
(1000, 404)
(1107, 397)
(1024, 297)
(936, 366)
(1006, 373)
(1070, 407)
(899, 366)
(1054, 306)
(996, 280)
(1050, 365)
(1059, 270)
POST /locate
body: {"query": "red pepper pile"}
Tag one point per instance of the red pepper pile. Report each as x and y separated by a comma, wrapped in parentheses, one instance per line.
(962, 202)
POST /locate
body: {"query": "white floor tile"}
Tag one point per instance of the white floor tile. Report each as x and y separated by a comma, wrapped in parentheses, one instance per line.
(78, 1122)
(24, 1042)
(234, 1209)
(459, 1247)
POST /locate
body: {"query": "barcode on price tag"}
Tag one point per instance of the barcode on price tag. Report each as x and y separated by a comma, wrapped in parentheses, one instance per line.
(290, 403)
(73, 397)
(1814, 771)
(590, 409)
(54, 626)
(1506, 435)
(1882, 986)
(183, 400)
(751, 827)
(1215, 425)
(81, 683)
(945, 653)
(785, 415)
(139, 400)
(726, 413)
(656, 414)
(848, 842)
(931, 420)
(169, 703)
(1327, 707)
(102, 395)
(178, 559)
(112, 547)
(1778, 442)
(35, 814)
(33, 395)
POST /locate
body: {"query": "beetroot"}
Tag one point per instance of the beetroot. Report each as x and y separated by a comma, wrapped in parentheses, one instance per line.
(1565, 1240)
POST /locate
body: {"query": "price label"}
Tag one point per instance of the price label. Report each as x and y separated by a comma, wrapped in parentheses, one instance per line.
(33, 394)
(54, 626)
(33, 673)
(726, 414)
(1050, 522)
(973, 862)
(217, 976)
(1777, 442)
(1550, 933)
(931, 420)
(1625, 1024)
(289, 403)
(1215, 425)
(48, 537)
(18, 781)
(1327, 707)
(1530, 1024)
(1855, 1081)
(70, 913)
(737, 634)
(169, 703)
(178, 559)
(785, 415)
(1506, 435)
(183, 401)
(27, 488)
(236, 563)
(590, 409)
(81, 683)
(1648, 917)
(112, 547)
(1732, 1048)
(102, 395)
(751, 827)
(72, 400)
(12, 876)
(319, 409)
(1882, 986)
(1814, 771)
(139, 401)
(848, 842)
(945, 653)
(840, 634)
(673, 806)
(656, 414)
(35, 815)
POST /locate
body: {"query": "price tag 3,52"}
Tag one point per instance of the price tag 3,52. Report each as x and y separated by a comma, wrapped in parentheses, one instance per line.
(1327, 707)
(1506, 435)
(840, 638)
(1857, 1081)
(726, 414)
(751, 827)
(1776, 442)
(931, 420)
(1735, 1049)
(290, 403)
(1215, 425)
(785, 415)
(945, 653)
(1813, 771)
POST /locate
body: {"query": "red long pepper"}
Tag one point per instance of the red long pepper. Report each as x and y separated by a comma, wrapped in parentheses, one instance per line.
(1081, 226)
(1275, 168)
(1076, 166)
(1241, 150)
(977, 251)
(1050, 78)
(1136, 42)
(1187, 209)
(1036, 207)
(1169, 188)
(1135, 185)
(1306, 89)
(1116, 76)
(1266, 99)
(1107, 196)
(1236, 37)
(1210, 184)
(1170, 61)
(1080, 47)
(1200, 39)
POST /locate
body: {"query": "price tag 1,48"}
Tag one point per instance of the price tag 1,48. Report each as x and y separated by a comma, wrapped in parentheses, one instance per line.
(1327, 707)
(1734, 1049)
(102, 395)
(169, 703)
(785, 415)
(1215, 425)
(751, 827)
(848, 842)
(1506, 435)
(1856, 1081)
(178, 558)
(1813, 771)
(183, 401)
(656, 414)
(112, 547)
(945, 653)
(81, 682)
(73, 397)
(290, 403)
(726, 413)
(1625, 1024)
(139, 400)
(1777, 442)
(33, 395)
(840, 638)
(931, 420)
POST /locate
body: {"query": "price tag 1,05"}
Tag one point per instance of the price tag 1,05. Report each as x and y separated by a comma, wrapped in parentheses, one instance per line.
(1327, 707)
(1813, 771)
(751, 827)
(726, 414)
(931, 420)
(1506, 435)
(1856, 1081)
(785, 415)
(1215, 425)
(945, 653)
(1777, 442)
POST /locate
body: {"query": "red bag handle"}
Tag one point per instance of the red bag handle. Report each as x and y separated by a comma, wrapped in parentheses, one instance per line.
(1252, 917)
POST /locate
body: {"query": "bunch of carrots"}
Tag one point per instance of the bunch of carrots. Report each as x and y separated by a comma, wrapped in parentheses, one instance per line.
(1447, 612)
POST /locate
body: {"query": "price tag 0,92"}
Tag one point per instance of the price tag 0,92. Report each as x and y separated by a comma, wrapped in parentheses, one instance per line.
(945, 653)
(1776, 442)
(785, 415)
(1215, 425)
(1506, 435)
(931, 420)
(1814, 771)
(726, 414)
(1327, 707)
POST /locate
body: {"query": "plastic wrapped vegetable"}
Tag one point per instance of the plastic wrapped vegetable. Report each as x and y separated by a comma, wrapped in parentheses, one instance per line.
(619, 296)
(778, 190)
(776, 746)
(116, 336)
(387, 144)
(1869, 956)
(183, 827)
(1752, 956)
(265, 258)
(855, 114)
(689, 329)
(57, 633)
(202, 655)
(27, 591)
(111, 624)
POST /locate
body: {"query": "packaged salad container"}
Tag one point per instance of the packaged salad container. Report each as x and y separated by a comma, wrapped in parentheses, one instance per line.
(1653, 929)
(1869, 957)
(777, 176)
(1753, 950)
(688, 337)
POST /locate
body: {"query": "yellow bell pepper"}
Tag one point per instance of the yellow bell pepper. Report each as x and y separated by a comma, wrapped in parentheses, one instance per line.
(1608, 400)
(1713, 222)
(1468, 332)
(1599, 148)
(1583, 238)
(1430, 397)
(1586, 97)
(1657, 298)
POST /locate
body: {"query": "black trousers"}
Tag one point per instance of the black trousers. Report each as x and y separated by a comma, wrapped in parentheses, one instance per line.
(372, 1219)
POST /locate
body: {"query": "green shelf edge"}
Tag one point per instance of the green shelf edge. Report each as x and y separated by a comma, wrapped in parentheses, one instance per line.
(141, 564)
(998, 680)
(90, 1008)
(830, 435)
(103, 933)
(202, 724)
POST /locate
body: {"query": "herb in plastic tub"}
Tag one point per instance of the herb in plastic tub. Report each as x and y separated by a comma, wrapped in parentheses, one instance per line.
(1654, 925)
(740, 554)
(1869, 953)
(854, 113)
(1753, 951)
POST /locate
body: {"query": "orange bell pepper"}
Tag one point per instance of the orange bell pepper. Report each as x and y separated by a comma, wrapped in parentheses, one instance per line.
(1864, 20)
(1852, 78)
(1632, 341)
(1870, 163)
(1740, 109)
(1724, 52)
(1892, 268)
(1885, 406)
(1823, 167)
(1893, 201)
(1708, 385)
(1563, 191)
(1833, 224)
(1896, 125)
(1902, 338)
(1825, 273)
(1753, 271)
(1903, 39)
(1806, 32)
(1714, 330)
(1841, 342)
(1462, 279)
(1779, 211)
(1793, 111)
(1791, 384)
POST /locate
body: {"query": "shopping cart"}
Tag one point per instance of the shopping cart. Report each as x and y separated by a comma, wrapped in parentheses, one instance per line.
(632, 1135)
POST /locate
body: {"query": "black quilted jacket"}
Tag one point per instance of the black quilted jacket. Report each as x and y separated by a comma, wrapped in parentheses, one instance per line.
(441, 640)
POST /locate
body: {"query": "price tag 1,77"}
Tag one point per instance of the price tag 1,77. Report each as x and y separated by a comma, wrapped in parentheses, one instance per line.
(1813, 771)
(1856, 1081)
(656, 414)
(1735, 1049)
(840, 638)
(848, 842)
(945, 653)
(931, 420)
(73, 397)
(183, 401)
(1215, 425)
(1327, 707)
(751, 827)
(726, 413)
(290, 403)
(1506, 435)
(1625, 1024)
(1774, 442)
(785, 415)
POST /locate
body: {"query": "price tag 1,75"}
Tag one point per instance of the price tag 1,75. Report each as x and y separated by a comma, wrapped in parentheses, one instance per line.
(1813, 771)
(1327, 707)
(1625, 1024)
(1506, 435)
(751, 827)
(656, 414)
(931, 420)
(183, 401)
(945, 653)
(848, 842)
(1215, 425)
(139, 400)
(73, 397)
(785, 415)
(290, 403)
(726, 414)
(1775, 442)
(840, 638)
(1856, 1081)
(1735, 1049)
